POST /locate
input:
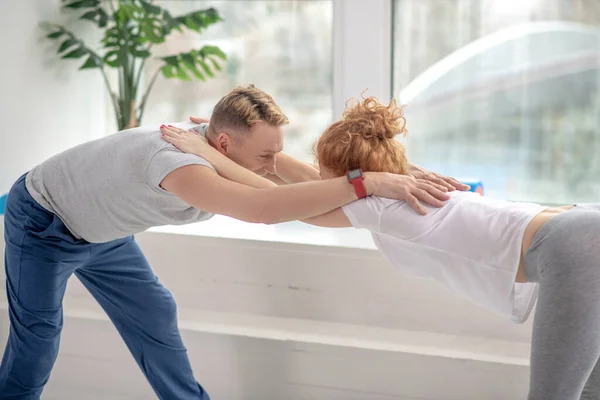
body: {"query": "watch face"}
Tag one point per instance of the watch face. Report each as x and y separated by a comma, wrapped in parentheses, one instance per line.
(355, 173)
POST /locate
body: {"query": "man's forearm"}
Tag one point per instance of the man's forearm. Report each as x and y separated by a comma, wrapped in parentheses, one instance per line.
(291, 170)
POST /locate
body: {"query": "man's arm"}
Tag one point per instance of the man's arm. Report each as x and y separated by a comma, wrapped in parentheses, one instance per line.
(333, 219)
(232, 171)
(203, 188)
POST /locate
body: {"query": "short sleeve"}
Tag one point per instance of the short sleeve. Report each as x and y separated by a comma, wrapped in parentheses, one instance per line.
(167, 160)
(366, 213)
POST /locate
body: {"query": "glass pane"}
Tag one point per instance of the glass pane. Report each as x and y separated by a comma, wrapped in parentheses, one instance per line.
(506, 91)
(283, 47)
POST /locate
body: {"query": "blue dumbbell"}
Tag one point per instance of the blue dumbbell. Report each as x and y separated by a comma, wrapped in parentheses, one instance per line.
(3, 203)
(476, 186)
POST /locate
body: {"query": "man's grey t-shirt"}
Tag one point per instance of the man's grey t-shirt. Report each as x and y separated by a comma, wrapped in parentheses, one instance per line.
(109, 188)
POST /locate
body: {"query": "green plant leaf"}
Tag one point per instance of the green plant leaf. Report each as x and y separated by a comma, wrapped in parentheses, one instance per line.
(103, 19)
(152, 30)
(209, 52)
(92, 62)
(213, 50)
(171, 22)
(74, 47)
(198, 21)
(120, 41)
(215, 65)
(83, 4)
(112, 37)
(212, 16)
(150, 8)
(99, 16)
(126, 11)
(171, 60)
(188, 59)
(90, 15)
(194, 61)
(175, 71)
(114, 58)
(168, 71)
(196, 73)
(206, 68)
(190, 23)
(55, 35)
(180, 74)
(189, 62)
(139, 53)
(66, 44)
(77, 53)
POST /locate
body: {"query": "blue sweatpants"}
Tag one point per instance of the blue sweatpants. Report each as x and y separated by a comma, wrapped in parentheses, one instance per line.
(41, 255)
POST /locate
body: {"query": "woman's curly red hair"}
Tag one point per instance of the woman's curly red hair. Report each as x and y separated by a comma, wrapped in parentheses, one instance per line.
(364, 138)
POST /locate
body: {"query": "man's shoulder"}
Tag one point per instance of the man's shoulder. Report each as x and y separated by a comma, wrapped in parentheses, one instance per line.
(150, 128)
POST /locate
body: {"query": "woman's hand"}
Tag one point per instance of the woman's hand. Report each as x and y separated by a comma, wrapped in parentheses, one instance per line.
(192, 143)
(188, 142)
(407, 188)
(198, 120)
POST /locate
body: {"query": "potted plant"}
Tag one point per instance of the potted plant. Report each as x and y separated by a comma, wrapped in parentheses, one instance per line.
(130, 29)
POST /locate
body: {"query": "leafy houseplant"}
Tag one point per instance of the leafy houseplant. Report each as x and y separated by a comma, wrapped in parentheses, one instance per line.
(131, 28)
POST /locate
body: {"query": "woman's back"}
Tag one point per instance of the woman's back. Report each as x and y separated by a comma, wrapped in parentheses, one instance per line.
(472, 245)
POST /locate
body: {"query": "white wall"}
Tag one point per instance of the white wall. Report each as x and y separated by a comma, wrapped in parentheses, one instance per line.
(46, 104)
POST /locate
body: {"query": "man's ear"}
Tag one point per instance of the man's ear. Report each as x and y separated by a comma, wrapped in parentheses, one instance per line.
(223, 143)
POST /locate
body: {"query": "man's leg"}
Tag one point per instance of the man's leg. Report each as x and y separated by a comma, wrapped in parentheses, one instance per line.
(38, 263)
(144, 312)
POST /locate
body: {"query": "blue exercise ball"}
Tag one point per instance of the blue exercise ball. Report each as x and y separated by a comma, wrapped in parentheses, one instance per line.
(3, 203)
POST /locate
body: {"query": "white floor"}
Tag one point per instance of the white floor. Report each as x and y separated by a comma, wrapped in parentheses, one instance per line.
(267, 319)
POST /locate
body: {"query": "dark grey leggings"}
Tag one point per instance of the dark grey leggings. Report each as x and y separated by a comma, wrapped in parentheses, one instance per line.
(565, 259)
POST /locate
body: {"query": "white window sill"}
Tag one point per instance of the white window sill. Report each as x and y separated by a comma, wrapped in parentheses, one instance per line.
(289, 232)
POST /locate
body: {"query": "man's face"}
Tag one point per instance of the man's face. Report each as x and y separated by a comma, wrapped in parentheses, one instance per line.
(255, 151)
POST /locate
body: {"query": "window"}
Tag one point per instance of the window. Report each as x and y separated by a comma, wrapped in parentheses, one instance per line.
(284, 47)
(506, 91)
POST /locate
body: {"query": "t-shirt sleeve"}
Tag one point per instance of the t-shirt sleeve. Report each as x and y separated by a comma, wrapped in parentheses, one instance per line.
(167, 160)
(365, 213)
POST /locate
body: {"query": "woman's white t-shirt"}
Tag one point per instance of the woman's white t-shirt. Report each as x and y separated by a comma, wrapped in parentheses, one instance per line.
(471, 245)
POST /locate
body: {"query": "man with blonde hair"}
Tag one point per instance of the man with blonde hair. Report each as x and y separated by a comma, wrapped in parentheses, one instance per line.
(77, 212)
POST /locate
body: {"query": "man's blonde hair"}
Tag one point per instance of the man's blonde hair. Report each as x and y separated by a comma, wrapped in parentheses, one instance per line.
(242, 108)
